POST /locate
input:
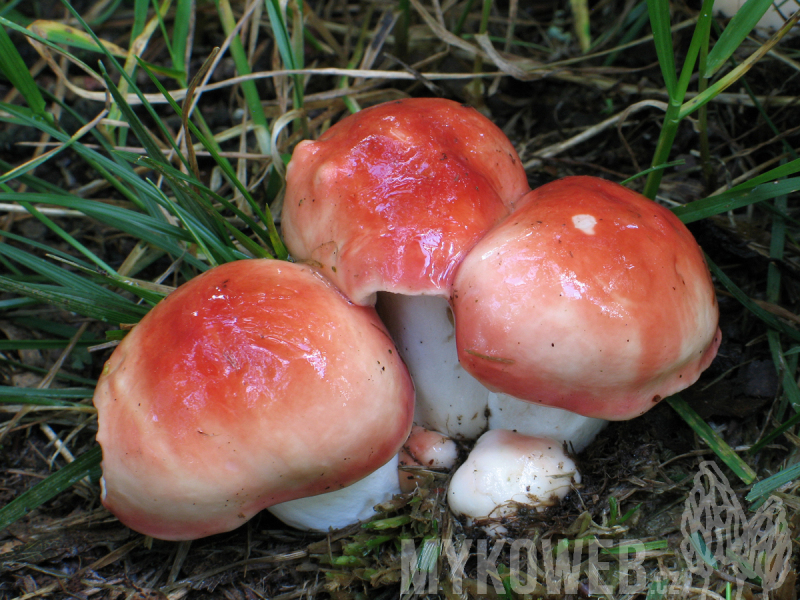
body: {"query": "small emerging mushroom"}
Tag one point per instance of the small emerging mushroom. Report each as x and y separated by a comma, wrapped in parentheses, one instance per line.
(425, 448)
(507, 469)
(254, 383)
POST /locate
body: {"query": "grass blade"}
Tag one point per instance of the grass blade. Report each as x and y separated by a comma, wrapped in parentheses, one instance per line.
(785, 426)
(180, 35)
(36, 396)
(41, 344)
(713, 439)
(735, 33)
(734, 198)
(761, 490)
(59, 231)
(676, 93)
(85, 465)
(265, 216)
(60, 33)
(768, 318)
(34, 36)
(61, 375)
(662, 36)
(155, 232)
(260, 126)
(738, 72)
(201, 193)
(114, 170)
(14, 68)
(62, 277)
(73, 300)
(284, 43)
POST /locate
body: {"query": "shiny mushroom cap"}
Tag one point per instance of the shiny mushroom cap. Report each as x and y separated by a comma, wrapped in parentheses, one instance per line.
(392, 197)
(590, 298)
(255, 383)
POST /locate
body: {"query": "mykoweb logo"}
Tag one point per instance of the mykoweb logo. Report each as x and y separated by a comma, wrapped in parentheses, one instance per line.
(717, 538)
(562, 566)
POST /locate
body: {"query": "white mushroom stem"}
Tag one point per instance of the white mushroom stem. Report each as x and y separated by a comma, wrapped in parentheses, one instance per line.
(451, 400)
(448, 399)
(537, 420)
(354, 503)
(505, 470)
(349, 505)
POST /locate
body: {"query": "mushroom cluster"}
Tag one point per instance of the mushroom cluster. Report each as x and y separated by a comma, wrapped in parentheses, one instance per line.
(537, 314)
(545, 312)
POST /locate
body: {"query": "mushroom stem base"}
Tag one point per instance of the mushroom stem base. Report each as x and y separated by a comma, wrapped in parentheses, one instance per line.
(343, 507)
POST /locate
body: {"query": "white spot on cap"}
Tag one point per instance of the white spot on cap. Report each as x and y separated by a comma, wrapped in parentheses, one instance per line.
(585, 223)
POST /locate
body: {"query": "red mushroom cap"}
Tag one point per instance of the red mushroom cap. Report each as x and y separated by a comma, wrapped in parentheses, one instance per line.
(393, 197)
(255, 383)
(589, 297)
